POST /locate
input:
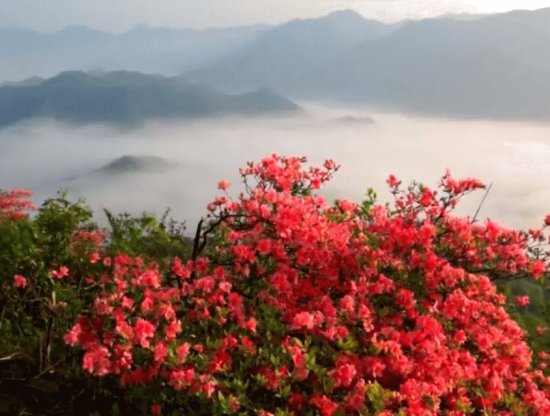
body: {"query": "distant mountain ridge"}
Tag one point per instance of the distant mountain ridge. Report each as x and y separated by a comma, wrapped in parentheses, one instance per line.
(129, 98)
(482, 66)
(285, 55)
(27, 53)
(493, 66)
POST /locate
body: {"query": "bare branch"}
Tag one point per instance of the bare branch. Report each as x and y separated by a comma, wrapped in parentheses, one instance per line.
(482, 201)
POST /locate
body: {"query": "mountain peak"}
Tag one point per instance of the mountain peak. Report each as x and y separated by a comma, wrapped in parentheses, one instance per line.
(67, 77)
(345, 15)
(77, 30)
(131, 164)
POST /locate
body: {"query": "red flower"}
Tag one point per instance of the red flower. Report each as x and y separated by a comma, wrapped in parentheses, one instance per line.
(343, 375)
(521, 301)
(182, 351)
(251, 324)
(248, 345)
(19, 281)
(151, 278)
(426, 197)
(329, 164)
(326, 406)
(180, 379)
(61, 273)
(160, 352)
(173, 329)
(303, 320)
(94, 257)
(144, 331)
(96, 361)
(264, 247)
(393, 182)
(538, 268)
(156, 409)
(223, 185)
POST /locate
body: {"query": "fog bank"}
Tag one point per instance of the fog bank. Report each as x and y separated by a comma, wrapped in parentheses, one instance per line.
(45, 156)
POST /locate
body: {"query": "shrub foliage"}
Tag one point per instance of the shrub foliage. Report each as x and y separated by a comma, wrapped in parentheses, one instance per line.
(283, 304)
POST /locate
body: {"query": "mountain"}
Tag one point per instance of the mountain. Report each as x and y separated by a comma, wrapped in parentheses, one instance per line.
(284, 55)
(26, 53)
(132, 164)
(492, 66)
(27, 82)
(486, 66)
(129, 98)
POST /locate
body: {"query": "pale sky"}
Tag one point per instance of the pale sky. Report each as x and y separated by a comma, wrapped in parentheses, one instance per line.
(121, 15)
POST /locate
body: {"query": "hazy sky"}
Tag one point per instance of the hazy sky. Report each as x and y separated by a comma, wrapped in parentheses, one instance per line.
(121, 15)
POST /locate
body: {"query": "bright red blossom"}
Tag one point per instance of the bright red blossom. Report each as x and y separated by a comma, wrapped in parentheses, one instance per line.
(345, 308)
(59, 274)
(521, 301)
(19, 281)
(326, 406)
(223, 185)
(144, 331)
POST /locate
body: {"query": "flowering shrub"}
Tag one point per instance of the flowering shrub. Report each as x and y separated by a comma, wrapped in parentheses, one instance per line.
(45, 262)
(290, 305)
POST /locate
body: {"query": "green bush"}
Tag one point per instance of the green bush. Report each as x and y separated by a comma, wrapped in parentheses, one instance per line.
(39, 373)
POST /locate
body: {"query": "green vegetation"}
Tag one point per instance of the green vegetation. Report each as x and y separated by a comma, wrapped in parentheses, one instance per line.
(281, 305)
(39, 373)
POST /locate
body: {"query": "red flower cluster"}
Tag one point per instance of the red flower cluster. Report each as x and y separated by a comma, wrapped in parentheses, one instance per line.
(14, 204)
(87, 244)
(302, 306)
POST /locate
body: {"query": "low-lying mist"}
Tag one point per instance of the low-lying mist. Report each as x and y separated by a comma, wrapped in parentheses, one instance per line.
(45, 156)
